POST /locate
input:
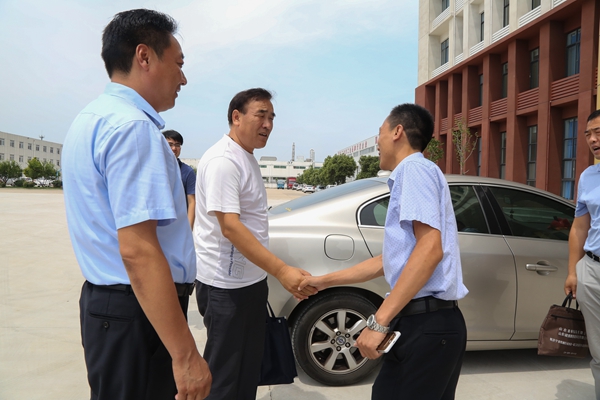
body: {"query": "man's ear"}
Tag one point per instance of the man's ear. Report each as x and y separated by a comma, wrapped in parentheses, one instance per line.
(235, 116)
(142, 56)
(398, 132)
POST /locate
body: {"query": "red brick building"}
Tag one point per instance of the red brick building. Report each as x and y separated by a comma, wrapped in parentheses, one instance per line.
(527, 94)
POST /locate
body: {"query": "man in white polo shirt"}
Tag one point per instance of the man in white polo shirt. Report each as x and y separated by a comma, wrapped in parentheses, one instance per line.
(232, 238)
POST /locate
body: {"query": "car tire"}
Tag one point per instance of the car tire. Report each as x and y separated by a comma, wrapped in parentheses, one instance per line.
(323, 347)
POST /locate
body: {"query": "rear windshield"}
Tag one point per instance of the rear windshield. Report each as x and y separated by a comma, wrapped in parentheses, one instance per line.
(324, 195)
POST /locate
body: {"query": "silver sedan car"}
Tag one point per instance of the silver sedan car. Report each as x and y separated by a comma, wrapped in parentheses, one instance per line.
(514, 253)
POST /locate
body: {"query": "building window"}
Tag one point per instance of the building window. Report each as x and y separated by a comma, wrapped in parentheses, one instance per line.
(44, 160)
(297, 167)
(531, 155)
(573, 39)
(481, 89)
(1, 142)
(58, 163)
(263, 166)
(57, 150)
(20, 145)
(12, 143)
(444, 53)
(12, 157)
(51, 149)
(445, 4)
(37, 147)
(534, 68)
(28, 146)
(504, 80)
(280, 166)
(568, 164)
(505, 13)
(1, 156)
(535, 4)
(28, 159)
(20, 158)
(481, 26)
(502, 155)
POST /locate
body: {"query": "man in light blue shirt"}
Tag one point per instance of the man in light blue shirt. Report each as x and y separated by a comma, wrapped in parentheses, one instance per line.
(127, 219)
(583, 279)
(421, 263)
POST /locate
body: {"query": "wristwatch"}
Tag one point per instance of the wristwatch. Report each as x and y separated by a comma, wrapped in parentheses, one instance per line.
(373, 325)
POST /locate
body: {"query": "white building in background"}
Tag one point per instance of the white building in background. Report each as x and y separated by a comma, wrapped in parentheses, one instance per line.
(271, 169)
(367, 147)
(22, 149)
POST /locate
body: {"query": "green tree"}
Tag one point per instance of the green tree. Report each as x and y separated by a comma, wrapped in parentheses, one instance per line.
(43, 172)
(9, 170)
(369, 167)
(310, 176)
(464, 144)
(434, 150)
(337, 168)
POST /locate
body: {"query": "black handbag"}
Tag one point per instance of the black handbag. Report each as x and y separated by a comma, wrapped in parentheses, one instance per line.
(563, 332)
(278, 364)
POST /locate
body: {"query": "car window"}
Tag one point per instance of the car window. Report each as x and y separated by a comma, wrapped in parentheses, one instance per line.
(469, 216)
(373, 214)
(533, 215)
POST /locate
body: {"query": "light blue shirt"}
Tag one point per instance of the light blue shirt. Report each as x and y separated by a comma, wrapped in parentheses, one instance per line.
(118, 171)
(419, 192)
(588, 201)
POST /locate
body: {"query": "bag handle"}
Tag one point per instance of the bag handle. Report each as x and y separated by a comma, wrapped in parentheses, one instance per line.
(270, 310)
(568, 299)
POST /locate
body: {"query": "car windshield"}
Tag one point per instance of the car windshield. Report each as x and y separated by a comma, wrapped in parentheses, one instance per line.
(325, 195)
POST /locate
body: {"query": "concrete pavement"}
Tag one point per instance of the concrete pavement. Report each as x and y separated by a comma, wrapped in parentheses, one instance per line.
(40, 347)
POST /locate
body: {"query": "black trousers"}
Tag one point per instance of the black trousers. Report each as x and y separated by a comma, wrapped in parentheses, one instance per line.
(235, 324)
(426, 360)
(124, 356)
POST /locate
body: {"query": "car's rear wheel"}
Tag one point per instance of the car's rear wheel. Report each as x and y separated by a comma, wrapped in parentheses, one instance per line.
(324, 336)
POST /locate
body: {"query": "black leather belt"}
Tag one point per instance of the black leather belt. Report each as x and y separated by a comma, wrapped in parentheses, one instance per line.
(426, 304)
(183, 289)
(592, 256)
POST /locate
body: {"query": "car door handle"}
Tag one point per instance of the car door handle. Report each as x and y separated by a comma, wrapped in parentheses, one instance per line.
(540, 268)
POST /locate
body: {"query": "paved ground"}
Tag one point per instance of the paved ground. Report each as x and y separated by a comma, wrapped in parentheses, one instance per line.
(40, 350)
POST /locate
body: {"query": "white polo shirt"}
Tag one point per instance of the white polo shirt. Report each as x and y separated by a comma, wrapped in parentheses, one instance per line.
(228, 181)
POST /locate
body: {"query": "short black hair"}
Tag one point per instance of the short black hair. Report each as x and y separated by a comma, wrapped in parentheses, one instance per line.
(594, 115)
(416, 121)
(241, 100)
(130, 28)
(171, 134)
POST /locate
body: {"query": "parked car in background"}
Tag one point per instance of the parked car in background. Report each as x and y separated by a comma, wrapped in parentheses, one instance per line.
(318, 188)
(330, 186)
(308, 189)
(514, 259)
(295, 186)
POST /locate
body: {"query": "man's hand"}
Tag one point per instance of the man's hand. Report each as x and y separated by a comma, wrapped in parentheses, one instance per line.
(317, 282)
(192, 378)
(367, 343)
(571, 285)
(291, 278)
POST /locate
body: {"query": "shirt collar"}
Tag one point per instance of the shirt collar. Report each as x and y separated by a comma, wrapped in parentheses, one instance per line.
(133, 97)
(395, 172)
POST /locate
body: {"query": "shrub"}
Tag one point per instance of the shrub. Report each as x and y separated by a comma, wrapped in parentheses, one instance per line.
(2, 184)
(19, 182)
(28, 184)
(57, 183)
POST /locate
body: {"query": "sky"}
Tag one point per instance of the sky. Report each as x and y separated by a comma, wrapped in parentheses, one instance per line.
(336, 67)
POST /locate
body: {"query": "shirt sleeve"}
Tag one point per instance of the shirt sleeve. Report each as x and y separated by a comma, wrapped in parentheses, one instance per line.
(222, 181)
(420, 196)
(190, 181)
(136, 173)
(580, 206)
